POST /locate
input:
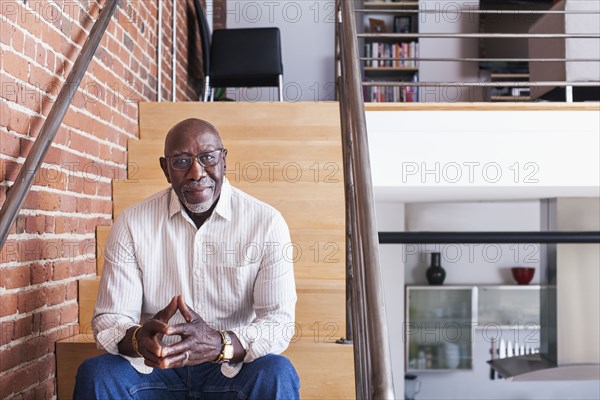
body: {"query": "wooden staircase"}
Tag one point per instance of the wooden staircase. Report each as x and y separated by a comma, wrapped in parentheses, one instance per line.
(290, 156)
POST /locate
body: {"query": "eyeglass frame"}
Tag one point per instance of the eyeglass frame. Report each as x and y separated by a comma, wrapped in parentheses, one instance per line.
(197, 158)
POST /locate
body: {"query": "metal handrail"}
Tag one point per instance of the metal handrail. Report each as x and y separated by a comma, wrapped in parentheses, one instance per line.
(370, 338)
(15, 195)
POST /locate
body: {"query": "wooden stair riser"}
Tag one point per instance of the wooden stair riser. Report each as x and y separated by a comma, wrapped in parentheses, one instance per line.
(260, 121)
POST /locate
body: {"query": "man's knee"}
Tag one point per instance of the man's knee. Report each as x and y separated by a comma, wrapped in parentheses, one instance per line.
(281, 369)
(99, 366)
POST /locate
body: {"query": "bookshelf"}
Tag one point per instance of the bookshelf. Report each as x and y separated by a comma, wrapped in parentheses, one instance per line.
(390, 50)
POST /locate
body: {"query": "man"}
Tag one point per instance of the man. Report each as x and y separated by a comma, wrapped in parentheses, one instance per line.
(197, 295)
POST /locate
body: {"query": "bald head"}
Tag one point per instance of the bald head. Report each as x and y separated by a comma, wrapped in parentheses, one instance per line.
(187, 129)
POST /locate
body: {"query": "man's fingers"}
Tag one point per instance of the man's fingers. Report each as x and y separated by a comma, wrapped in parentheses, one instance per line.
(177, 360)
(166, 313)
(188, 313)
(176, 348)
(180, 329)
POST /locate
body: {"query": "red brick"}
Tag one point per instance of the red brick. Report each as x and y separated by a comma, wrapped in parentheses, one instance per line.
(19, 122)
(8, 304)
(10, 145)
(26, 376)
(16, 277)
(40, 273)
(6, 382)
(5, 33)
(30, 300)
(16, 65)
(22, 327)
(7, 330)
(71, 291)
(45, 390)
(48, 201)
(69, 314)
(48, 319)
(55, 294)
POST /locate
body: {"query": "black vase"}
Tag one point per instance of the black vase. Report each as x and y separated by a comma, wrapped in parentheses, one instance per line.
(435, 273)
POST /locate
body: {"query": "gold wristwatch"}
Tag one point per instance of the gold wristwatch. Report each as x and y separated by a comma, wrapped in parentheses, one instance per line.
(227, 351)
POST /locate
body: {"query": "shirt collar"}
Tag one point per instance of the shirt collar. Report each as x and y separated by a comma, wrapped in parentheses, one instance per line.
(223, 207)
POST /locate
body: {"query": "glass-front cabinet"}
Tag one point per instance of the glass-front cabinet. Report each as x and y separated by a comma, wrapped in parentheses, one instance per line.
(509, 307)
(439, 327)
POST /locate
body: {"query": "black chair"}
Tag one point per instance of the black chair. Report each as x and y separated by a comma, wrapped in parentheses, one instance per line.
(247, 57)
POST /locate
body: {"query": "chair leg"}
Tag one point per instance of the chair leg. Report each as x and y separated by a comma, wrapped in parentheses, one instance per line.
(212, 94)
(280, 88)
(206, 89)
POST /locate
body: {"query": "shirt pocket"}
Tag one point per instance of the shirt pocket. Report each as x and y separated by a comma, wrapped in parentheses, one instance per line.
(235, 288)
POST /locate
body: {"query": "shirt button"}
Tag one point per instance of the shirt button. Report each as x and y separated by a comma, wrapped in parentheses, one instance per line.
(197, 274)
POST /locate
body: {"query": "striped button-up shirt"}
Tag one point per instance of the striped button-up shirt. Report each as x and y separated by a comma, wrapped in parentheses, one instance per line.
(236, 272)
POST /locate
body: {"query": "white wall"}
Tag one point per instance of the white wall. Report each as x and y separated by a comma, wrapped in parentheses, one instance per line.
(308, 44)
(390, 217)
(479, 155)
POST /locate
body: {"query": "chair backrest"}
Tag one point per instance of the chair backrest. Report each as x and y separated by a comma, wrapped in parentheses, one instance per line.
(248, 57)
(204, 36)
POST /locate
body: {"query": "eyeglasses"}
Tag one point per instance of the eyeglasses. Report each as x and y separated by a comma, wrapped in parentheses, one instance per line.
(206, 160)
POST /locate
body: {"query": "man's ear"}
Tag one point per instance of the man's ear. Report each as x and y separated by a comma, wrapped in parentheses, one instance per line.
(165, 168)
(224, 161)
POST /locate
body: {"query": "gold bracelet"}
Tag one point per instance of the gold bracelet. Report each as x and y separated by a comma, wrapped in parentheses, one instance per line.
(134, 342)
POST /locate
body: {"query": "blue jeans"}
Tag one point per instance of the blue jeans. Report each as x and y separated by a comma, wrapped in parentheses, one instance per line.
(112, 377)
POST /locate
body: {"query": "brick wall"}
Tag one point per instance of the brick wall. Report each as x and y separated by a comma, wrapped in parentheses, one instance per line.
(52, 244)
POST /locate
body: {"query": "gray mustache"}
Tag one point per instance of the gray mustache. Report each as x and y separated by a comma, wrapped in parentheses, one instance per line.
(203, 182)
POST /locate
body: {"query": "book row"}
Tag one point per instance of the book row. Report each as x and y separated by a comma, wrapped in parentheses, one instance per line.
(392, 55)
(387, 94)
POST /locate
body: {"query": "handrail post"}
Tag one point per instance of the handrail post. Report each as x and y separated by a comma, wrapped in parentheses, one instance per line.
(17, 192)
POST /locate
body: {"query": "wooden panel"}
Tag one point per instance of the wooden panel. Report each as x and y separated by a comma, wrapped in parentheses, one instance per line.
(70, 353)
(246, 120)
(318, 308)
(101, 237)
(325, 369)
(319, 254)
(88, 291)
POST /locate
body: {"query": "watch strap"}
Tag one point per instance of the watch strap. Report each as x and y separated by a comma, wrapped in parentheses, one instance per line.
(227, 350)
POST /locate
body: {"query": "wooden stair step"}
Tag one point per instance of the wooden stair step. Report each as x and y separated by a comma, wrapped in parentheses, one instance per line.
(88, 292)
(323, 368)
(70, 353)
(310, 120)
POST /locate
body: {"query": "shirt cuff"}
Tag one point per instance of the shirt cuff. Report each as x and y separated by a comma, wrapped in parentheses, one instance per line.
(109, 339)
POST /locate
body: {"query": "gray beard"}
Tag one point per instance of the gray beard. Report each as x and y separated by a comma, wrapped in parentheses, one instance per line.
(198, 208)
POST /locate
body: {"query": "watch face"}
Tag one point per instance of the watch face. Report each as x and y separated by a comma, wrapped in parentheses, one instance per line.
(228, 352)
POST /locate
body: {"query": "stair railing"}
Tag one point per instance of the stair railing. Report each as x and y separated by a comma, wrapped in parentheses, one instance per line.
(373, 372)
(16, 193)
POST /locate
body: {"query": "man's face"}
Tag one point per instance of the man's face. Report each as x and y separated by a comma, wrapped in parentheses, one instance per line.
(197, 187)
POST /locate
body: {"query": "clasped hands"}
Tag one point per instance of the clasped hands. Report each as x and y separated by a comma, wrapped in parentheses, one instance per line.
(199, 342)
